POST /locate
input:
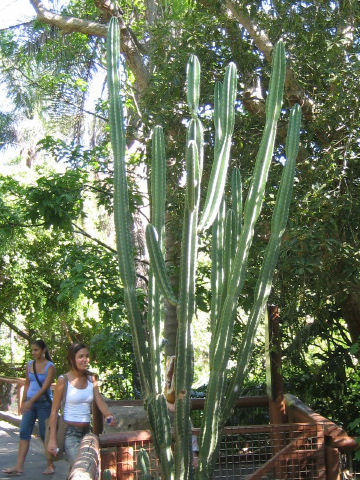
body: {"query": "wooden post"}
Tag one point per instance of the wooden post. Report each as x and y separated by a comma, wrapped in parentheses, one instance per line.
(125, 463)
(320, 454)
(274, 381)
(332, 462)
(108, 462)
(98, 422)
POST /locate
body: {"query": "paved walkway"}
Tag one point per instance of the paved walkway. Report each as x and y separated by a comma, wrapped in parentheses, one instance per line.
(35, 461)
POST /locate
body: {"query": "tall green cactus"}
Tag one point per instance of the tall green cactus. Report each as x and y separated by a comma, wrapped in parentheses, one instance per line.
(232, 235)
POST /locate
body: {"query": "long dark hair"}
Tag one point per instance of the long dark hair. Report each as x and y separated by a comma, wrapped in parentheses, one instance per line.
(41, 344)
(73, 349)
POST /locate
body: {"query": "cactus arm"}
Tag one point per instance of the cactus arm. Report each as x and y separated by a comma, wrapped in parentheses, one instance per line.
(121, 204)
(228, 250)
(222, 343)
(186, 302)
(158, 264)
(236, 201)
(143, 464)
(263, 286)
(217, 117)
(158, 182)
(186, 308)
(217, 266)
(193, 84)
(155, 315)
(160, 424)
(195, 132)
(224, 124)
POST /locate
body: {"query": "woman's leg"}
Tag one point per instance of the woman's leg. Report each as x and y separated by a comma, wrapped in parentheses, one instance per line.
(26, 428)
(43, 410)
(73, 437)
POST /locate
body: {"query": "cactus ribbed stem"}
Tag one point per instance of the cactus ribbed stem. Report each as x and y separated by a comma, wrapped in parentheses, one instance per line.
(223, 334)
(217, 267)
(193, 84)
(186, 301)
(263, 286)
(155, 317)
(143, 464)
(236, 202)
(158, 264)
(121, 205)
(224, 117)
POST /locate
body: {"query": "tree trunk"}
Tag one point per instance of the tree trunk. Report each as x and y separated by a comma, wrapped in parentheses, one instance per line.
(351, 313)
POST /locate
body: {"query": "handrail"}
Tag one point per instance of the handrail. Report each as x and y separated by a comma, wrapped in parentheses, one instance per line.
(300, 412)
(20, 381)
(87, 463)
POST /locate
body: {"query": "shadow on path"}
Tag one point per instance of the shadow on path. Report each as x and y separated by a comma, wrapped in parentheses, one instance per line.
(35, 461)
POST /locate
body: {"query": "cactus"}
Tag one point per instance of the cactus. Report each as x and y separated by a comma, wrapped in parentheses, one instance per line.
(106, 475)
(232, 234)
(143, 465)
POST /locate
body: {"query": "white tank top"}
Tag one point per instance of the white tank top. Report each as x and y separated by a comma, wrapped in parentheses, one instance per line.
(77, 403)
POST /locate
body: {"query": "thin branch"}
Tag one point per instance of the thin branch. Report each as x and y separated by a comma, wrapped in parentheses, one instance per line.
(96, 240)
(16, 329)
(21, 225)
(63, 99)
(129, 45)
(112, 250)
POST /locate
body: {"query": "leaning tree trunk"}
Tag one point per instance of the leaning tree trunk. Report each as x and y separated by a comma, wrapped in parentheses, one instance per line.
(351, 313)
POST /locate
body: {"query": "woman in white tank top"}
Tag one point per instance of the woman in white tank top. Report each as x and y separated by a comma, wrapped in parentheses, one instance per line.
(81, 390)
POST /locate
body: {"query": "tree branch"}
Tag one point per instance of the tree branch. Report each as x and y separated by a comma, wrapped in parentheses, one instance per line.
(16, 330)
(87, 235)
(99, 242)
(294, 93)
(129, 46)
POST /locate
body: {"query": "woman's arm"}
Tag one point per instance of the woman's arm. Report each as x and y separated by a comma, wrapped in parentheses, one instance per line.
(50, 375)
(101, 404)
(58, 395)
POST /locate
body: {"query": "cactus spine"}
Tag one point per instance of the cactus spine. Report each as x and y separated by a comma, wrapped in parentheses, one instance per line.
(232, 234)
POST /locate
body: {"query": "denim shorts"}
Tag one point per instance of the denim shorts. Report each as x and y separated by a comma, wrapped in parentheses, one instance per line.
(39, 410)
(73, 437)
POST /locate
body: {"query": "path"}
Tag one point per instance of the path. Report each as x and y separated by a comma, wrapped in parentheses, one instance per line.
(35, 461)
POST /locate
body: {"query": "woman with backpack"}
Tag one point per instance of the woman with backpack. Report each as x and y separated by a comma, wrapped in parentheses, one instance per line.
(36, 404)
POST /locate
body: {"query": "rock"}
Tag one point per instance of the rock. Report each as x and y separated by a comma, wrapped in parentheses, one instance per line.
(132, 417)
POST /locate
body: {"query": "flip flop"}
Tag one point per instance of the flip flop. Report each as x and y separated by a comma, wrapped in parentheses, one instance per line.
(48, 473)
(12, 473)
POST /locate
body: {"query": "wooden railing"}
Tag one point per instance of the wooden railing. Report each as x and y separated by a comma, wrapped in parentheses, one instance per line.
(18, 383)
(87, 463)
(118, 450)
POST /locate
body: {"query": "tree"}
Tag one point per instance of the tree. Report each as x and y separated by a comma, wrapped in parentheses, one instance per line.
(320, 254)
(247, 32)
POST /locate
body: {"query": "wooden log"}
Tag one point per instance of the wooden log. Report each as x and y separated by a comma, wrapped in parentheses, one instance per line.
(87, 463)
